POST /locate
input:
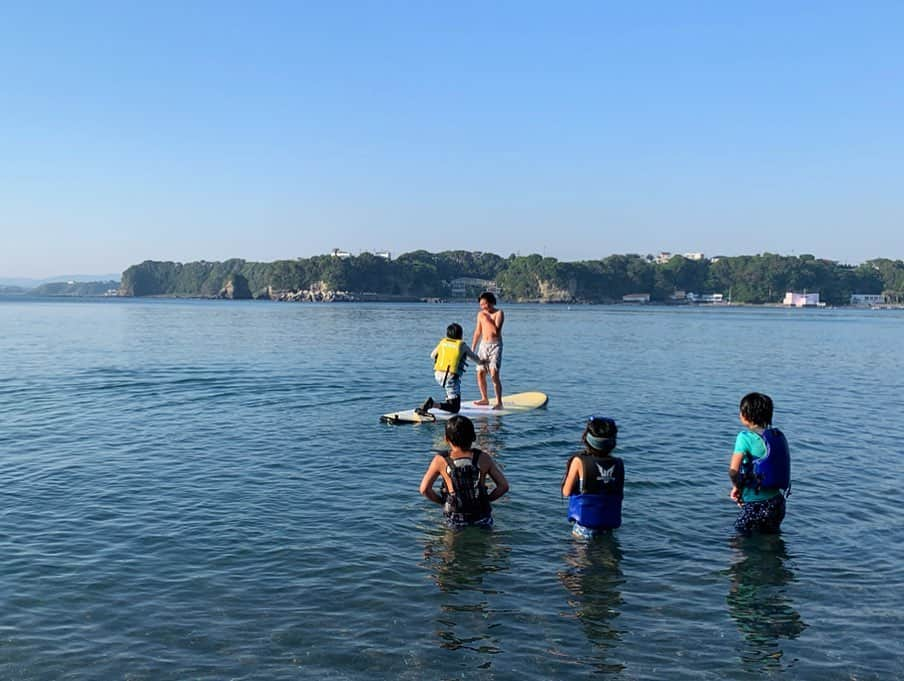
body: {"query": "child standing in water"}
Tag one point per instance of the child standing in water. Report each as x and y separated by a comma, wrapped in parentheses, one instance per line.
(595, 481)
(488, 332)
(760, 468)
(464, 470)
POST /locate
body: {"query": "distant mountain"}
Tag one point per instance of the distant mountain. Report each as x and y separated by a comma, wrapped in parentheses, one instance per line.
(22, 282)
(11, 290)
(76, 288)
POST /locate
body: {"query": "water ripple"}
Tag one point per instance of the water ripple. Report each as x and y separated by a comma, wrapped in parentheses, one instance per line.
(178, 507)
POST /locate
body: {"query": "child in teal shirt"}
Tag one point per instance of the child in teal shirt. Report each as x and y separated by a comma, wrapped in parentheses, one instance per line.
(762, 505)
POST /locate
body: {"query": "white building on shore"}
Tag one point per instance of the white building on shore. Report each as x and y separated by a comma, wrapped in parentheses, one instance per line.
(339, 253)
(665, 256)
(867, 299)
(711, 298)
(801, 299)
(464, 287)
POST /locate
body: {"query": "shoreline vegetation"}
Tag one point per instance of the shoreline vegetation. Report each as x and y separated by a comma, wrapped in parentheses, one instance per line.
(453, 275)
(419, 276)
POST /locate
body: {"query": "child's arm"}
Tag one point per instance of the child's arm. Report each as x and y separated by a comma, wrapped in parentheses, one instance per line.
(433, 472)
(734, 471)
(502, 485)
(476, 336)
(470, 354)
(498, 321)
(571, 477)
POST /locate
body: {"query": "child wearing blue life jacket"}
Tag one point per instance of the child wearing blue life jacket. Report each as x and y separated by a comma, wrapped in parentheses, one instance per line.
(449, 358)
(595, 481)
(760, 468)
(464, 470)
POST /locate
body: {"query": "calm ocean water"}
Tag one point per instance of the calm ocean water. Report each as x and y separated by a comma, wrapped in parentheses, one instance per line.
(201, 490)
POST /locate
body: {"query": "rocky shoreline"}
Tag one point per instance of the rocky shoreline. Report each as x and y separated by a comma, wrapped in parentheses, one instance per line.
(236, 291)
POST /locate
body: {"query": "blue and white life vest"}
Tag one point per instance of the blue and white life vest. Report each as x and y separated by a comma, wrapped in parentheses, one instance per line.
(771, 471)
(598, 505)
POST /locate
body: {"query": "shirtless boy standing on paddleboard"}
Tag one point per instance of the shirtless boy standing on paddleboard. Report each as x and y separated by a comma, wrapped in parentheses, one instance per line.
(489, 334)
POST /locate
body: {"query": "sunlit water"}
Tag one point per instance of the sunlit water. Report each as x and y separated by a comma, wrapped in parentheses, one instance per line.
(202, 490)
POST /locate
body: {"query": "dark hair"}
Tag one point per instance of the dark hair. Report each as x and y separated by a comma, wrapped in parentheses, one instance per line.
(757, 408)
(460, 431)
(454, 331)
(603, 428)
(487, 296)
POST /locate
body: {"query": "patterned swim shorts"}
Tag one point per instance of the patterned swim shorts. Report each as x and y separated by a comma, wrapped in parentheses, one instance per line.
(492, 352)
(451, 383)
(761, 516)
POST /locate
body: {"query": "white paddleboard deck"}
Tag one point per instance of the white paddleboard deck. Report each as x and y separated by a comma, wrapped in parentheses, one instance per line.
(511, 404)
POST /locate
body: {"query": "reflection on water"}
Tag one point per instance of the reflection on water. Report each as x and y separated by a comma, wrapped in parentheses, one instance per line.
(487, 430)
(461, 563)
(757, 599)
(593, 575)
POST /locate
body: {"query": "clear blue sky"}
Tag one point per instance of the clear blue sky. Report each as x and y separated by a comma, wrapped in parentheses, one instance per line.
(266, 130)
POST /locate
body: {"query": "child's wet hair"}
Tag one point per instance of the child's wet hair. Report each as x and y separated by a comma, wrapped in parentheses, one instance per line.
(757, 408)
(454, 331)
(460, 431)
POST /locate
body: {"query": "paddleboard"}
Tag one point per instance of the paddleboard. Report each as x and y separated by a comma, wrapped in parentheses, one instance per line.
(511, 404)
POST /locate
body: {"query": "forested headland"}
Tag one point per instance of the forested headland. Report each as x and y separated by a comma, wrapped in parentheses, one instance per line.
(754, 279)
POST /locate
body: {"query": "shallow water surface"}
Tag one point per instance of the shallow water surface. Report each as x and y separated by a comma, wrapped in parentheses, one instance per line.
(201, 489)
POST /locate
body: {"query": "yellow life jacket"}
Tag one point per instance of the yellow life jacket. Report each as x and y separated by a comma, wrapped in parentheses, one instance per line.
(450, 356)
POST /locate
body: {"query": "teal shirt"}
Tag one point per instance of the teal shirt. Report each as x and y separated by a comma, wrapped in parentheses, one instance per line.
(750, 442)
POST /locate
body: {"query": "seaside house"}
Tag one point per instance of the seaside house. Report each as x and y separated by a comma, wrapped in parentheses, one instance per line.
(665, 256)
(793, 299)
(867, 299)
(339, 253)
(465, 287)
(705, 297)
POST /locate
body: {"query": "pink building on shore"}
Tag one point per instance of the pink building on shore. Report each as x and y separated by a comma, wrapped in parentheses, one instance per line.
(801, 299)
